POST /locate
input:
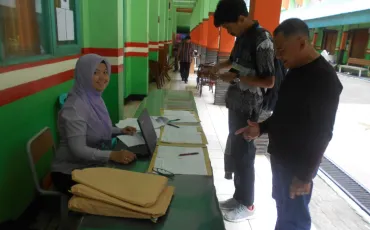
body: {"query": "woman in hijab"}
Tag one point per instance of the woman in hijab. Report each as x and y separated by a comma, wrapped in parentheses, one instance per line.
(85, 126)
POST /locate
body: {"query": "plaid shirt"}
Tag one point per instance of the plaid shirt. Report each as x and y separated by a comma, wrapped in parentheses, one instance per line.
(186, 51)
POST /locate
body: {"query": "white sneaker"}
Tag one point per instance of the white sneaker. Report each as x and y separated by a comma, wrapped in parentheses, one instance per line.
(240, 213)
(229, 204)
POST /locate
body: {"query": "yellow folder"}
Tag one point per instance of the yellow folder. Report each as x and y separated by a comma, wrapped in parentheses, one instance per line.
(88, 200)
(140, 189)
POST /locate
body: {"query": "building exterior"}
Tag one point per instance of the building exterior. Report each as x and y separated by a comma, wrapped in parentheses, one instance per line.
(341, 27)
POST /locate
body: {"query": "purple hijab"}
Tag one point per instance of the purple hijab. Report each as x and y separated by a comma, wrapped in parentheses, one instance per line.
(85, 100)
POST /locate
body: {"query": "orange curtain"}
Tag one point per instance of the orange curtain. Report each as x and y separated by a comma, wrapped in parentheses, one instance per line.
(21, 32)
(27, 26)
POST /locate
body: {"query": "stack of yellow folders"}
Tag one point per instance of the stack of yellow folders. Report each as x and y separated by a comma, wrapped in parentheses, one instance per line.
(120, 193)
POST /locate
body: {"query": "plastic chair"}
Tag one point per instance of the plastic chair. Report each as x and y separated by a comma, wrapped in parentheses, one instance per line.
(37, 147)
(62, 99)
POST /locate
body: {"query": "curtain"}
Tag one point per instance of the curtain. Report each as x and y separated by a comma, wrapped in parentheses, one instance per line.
(21, 32)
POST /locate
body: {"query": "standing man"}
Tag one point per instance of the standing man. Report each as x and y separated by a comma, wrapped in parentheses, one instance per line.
(252, 59)
(185, 56)
(301, 126)
(175, 50)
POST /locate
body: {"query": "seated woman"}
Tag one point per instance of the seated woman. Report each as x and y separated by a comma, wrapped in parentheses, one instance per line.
(84, 124)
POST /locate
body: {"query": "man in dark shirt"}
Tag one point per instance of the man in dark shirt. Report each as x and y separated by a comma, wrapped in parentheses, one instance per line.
(185, 56)
(252, 60)
(301, 126)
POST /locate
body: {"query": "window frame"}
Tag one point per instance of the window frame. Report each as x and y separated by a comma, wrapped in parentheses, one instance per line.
(55, 50)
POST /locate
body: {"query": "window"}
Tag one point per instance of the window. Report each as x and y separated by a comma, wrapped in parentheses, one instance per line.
(22, 26)
(32, 30)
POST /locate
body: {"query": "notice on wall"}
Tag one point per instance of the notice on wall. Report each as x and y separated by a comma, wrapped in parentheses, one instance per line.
(65, 25)
(64, 4)
(61, 24)
(70, 25)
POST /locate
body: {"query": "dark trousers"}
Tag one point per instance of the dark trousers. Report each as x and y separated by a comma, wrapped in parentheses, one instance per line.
(184, 70)
(242, 155)
(176, 64)
(292, 214)
(62, 182)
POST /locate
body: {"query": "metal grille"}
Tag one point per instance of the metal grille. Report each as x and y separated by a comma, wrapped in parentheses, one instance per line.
(203, 53)
(359, 194)
(211, 56)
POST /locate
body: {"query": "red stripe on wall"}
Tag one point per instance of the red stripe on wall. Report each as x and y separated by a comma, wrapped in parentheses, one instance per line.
(106, 52)
(136, 54)
(17, 92)
(34, 64)
(136, 44)
(117, 68)
(153, 43)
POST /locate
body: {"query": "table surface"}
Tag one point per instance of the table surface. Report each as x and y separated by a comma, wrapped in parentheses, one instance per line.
(194, 204)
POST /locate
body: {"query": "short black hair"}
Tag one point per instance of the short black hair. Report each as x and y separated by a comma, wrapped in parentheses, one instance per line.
(292, 26)
(228, 11)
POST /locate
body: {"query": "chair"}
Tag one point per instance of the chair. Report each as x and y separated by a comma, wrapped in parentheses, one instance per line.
(37, 147)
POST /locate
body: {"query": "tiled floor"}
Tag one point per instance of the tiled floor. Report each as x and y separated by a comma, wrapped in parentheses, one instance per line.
(330, 211)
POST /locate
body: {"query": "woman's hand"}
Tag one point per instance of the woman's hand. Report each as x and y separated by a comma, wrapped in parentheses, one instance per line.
(129, 130)
(123, 156)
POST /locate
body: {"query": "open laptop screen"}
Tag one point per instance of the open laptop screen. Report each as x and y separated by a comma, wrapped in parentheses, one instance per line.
(148, 131)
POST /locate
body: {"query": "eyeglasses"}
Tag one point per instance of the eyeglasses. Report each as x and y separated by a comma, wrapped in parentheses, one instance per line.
(163, 172)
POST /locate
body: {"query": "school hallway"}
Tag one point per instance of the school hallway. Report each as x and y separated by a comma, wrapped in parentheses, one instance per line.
(330, 208)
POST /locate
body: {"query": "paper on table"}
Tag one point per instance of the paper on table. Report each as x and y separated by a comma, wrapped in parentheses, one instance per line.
(135, 140)
(177, 113)
(133, 123)
(128, 122)
(168, 159)
(131, 141)
(183, 119)
(184, 134)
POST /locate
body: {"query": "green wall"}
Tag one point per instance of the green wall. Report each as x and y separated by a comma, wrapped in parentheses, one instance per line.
(22, 119)
(183, 19)
(136, 16)
(19, 121)
(153, 26)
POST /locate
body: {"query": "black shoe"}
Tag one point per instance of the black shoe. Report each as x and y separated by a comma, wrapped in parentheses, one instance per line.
(228, 175)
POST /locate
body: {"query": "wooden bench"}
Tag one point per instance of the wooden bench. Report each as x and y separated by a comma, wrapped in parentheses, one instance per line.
(365, 64)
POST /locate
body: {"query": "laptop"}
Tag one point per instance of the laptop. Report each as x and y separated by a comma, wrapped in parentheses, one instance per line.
(150, 137)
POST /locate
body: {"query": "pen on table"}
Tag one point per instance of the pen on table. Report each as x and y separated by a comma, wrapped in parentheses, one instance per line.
(173, 125)
(187, 154)
(173, 120)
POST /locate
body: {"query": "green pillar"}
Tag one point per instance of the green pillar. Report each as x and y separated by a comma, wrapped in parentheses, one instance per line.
(162, 23)
(136, 48)
(110, 46)
(153, 29)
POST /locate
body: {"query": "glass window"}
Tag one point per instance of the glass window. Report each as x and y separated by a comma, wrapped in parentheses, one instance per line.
(65, 19)
(22, 29)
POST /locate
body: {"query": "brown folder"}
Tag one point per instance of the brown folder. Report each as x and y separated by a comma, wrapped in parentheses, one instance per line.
(140, 189)
(88, 200)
